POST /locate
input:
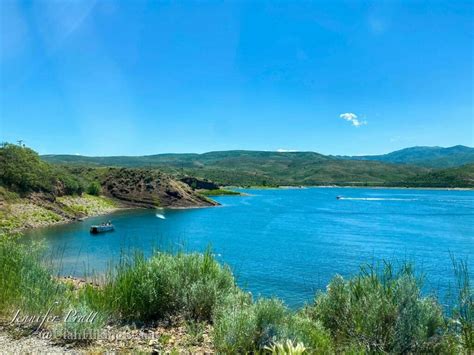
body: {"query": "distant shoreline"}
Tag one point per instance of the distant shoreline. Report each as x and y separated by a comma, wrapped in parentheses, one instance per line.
(349, 186)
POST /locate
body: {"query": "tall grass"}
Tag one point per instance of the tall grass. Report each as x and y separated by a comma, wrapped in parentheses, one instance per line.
(25, 283)
(463, 312)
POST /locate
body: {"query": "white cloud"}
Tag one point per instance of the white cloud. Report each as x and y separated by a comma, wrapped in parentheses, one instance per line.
(281, 150)
(352, 118)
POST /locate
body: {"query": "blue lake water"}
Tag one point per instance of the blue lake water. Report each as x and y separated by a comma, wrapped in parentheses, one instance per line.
(289, 242)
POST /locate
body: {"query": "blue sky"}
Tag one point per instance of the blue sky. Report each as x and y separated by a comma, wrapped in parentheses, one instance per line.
(139, 77)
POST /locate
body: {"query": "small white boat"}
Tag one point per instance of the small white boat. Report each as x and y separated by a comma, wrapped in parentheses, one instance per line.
(101, 228)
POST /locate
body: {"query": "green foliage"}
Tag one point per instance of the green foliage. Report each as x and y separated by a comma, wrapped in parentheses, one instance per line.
(288, 348)
(195, 332)
(164, 285)
(68, 183)
(23, 171)
(94, 188)
(7, 195)
(25, 283)
(242, 326)
(453, 177)
(381, 311)
(235, 324)
(463, 313)
(309, 332)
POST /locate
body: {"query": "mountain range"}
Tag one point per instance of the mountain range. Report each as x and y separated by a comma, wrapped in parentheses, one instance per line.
(416, 166)
(433, 157)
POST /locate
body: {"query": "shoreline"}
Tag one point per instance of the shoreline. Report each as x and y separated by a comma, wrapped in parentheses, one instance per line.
(104, 213)
(67, 221)
(351, 187)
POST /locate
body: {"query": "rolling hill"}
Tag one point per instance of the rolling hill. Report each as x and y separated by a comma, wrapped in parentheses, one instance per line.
(264, 168)
(432, 157)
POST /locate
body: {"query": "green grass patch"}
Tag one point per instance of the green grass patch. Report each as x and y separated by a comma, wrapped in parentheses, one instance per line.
(218, 192)
(87, 205)
(7, 195)
(23, 214)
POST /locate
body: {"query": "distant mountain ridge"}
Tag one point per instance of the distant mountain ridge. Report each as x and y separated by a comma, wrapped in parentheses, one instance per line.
(431, 157)
(269, 168)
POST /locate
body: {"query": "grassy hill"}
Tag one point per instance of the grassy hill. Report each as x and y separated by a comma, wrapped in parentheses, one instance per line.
(432, 157)
(452, 177)
(263, 168)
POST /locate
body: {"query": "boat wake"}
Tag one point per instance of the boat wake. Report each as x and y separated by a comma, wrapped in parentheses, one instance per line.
(377, 199)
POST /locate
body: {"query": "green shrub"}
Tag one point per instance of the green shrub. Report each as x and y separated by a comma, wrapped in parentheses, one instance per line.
(7, 195)
(381, 311)
(94, 188)
(302, 329)
(145, 290)
(242, 326)
(234, 324)
(22, 170)
(70, 184)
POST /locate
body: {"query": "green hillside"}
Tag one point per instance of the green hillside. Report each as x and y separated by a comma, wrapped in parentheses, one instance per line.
(433, 157)
(262, 168)
(452, 177)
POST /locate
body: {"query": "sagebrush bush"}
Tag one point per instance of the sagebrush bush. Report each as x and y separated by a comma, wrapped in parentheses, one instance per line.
(381, 311)
(242, 325)
(235, 324)
(166, 284)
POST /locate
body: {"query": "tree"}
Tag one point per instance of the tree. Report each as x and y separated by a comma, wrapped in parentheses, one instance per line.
(94, 189)
(22, 169)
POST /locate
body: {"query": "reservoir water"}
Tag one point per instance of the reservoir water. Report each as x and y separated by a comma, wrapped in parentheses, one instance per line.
(289, 242)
